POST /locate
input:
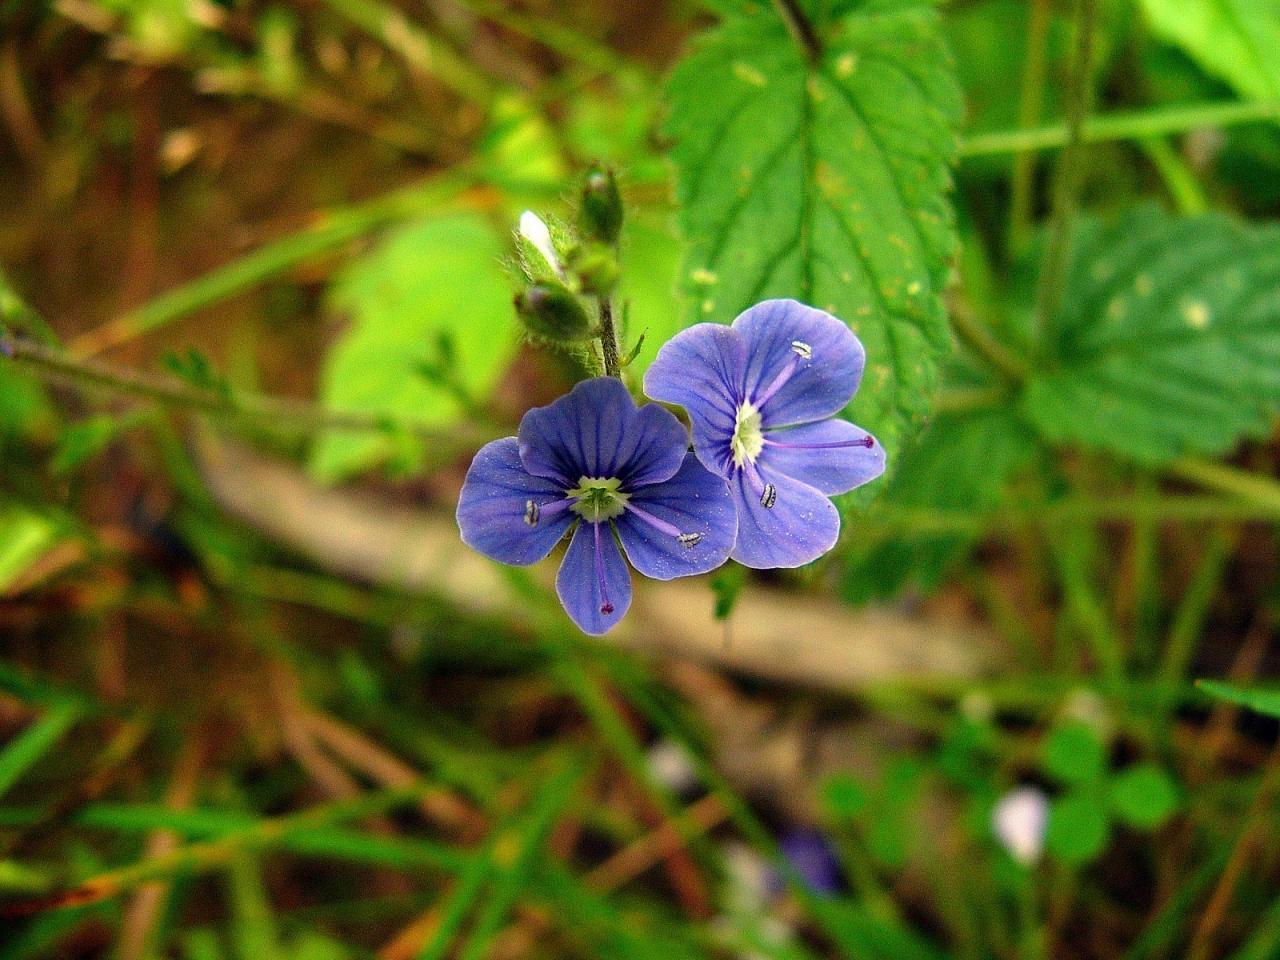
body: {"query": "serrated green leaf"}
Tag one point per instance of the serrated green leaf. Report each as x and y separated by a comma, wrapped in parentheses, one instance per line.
(1078, 828)
(441, 277)
(1235, 40)
(1144, 796)
(1074, 753)
(1168, 341)
(1266, 702)
(826, 182)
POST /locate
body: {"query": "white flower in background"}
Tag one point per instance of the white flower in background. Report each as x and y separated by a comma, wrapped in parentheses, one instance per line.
(1019, 820)
(535, 231)
(670, 764)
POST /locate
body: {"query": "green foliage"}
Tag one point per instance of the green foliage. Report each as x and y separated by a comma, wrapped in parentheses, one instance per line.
(1169, 337)
(1144, 796)
(825, 181)
(1079, 827)
(82, 441)
(962, 463)
(1235, 40)
(650, 265)
(1074, 753)
(439, 276)
(1266, 702)
(26, 535)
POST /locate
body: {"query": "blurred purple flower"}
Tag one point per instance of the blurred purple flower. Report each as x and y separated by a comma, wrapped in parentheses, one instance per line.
(762, 396)
(811, 856)
(595, 464)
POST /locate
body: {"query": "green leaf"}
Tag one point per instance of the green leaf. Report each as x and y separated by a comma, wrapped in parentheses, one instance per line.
(1168, 341)
(25, 537)
(844, 797)
(1144, 796)
(825, 182)
(1074, 753)
(1078, 827)
(1266, 702)
(84, 440)
(26, 749)
(441, 278)
(1235, 40)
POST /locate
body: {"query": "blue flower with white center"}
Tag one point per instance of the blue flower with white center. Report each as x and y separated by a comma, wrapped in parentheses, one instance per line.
(595, 464)
(762, 396)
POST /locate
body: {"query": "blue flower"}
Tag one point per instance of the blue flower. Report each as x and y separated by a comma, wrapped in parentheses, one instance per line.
(594, 464)
(762, 396)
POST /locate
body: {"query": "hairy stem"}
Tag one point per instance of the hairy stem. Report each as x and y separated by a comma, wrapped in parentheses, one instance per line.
(1070, 169)
(609, 339)
(279, 412)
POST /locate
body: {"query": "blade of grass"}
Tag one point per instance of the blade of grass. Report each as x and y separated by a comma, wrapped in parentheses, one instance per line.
(516, 853)
(330, 230)
(26, 749)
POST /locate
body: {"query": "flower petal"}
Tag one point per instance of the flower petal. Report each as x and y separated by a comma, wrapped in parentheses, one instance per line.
(596, 431)
(702, 369)
(593, 556)
(830, 470)
(822, 384)
(694, 501)
(801, 525)
(493, 504)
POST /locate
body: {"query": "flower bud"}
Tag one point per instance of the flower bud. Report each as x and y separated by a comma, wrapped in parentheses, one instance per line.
(550, 310)
(537, 250)
(600, 216)
(597, 270)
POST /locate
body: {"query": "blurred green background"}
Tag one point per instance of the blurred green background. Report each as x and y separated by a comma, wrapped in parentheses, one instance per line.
(257, 701)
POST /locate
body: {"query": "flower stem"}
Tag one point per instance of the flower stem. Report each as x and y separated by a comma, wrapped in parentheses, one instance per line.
(1070, 170)
(609, 338)
(279, 412)
(1127, 125)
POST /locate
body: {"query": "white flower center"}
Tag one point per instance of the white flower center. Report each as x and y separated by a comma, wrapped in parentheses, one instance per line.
(598, 498)
(748, 436)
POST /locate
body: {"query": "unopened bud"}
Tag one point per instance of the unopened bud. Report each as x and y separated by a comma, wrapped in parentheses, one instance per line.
(549, 310)
(597, 270)
(601, 214)
(537, 251)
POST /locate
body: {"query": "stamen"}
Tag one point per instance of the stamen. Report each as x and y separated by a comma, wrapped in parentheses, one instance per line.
(606, 605)
(769, 497)
(802, 353)
(685, 539)
(535, 513)
(868, 441)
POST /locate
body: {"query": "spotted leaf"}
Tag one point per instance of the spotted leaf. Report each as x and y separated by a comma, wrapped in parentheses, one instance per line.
(825, 180)
(1168, 339)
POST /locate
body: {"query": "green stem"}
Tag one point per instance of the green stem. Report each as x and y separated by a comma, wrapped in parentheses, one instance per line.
(1177, 176)
(263, 410)
(1197, 600)
(978, 337)
(1134, 125)
(1070, 174)
(1262, 491)
(1029, 107)
(417, 48)
(609, 339)
(330, 230)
